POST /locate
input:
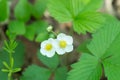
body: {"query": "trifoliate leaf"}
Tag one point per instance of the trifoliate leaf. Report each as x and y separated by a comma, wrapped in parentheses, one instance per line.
(37, 28)
(35, 72)
(23, 10)
(88, 68)
(83, 17)
(38, 8)
(50, 62)
(105, 48)
(61, 73)
(3, 10)
(105, 45)
(17, 27)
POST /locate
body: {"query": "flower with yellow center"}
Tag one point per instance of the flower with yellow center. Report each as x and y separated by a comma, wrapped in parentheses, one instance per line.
(63, 44)
(47, 48)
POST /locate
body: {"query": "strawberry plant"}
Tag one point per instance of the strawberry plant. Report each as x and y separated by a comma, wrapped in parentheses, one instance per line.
(42, 40)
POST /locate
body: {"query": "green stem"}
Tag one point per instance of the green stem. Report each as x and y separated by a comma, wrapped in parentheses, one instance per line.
(54, 33)
(9, 47)
(11, 67)
(9, 76)
(10, 56)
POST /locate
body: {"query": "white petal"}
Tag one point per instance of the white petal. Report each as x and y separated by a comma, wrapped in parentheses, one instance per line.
(68, 39)
(50, 53)
(44, 43)
(61, 36)
(42, 51)
(51, 40)
(60, 51)
(69, 48)
(56, 43)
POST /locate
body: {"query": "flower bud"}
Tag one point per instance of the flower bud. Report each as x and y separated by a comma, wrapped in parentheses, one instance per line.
(50, 28)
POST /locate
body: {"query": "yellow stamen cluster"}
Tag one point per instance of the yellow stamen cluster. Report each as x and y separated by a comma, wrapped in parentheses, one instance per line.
(48, 47)
(62, 44)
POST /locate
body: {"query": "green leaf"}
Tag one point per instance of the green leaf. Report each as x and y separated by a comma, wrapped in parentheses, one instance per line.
(16, 70)
(112, 71)
(17, 27)
(39, 8)
(41, 26)
(83, 47)
(35, 72)
(61, 73)
(112, 65)
(92, 4)
(6, 65)
(106, 41)
(50, 62)
(88, 21)
(106, 46)
(87, 68)
(10, 35)
(4, 12)
(30, 32)
(19, 55)
(5, 70)
(41, 37)
(109, 18)
(41, 31)
(23, 10)
(66, 11)
(81, 13)
(37, 28)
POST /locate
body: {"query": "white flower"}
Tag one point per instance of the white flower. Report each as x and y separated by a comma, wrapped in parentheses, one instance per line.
(47, 48)
(63, 44)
